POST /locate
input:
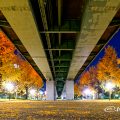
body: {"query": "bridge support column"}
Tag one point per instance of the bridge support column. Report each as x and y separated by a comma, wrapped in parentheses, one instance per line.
(69, 89)
(50, 90)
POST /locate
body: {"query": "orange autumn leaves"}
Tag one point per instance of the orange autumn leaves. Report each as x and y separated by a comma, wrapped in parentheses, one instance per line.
(6, 56)
(29, 77)
(6, 48)
(24, 74)
(5, 45)
(107, 69)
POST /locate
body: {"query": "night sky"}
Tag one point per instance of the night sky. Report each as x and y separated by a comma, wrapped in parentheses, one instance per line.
(114, 42)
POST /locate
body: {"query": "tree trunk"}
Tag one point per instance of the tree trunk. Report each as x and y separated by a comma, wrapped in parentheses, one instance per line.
(26, 88)
(37, 94)
(16, 95)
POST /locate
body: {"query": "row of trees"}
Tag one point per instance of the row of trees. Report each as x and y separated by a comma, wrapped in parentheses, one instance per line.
(106, 70)
(14, 68)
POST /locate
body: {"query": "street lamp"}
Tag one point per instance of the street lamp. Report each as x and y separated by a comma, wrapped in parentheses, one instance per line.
(9, 87)
(41, 92)
(32, 92)
(109, 86)
(87, 92)
(116, 95)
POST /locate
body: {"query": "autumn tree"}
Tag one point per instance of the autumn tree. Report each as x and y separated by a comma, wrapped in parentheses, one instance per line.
(7, 58)
(107, 68)
(85, 79)
(76, 90)
(25, 78)
(93, 75)
(15, 68)
(38, 83)
(6, 48)
(89, 77)
(29, 78)
(89, 80)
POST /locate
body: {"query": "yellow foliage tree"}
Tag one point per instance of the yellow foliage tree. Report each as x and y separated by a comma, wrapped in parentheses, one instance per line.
(7, 59)
(76, 89)
(107, 68)
(23, 74)
(29, 78)
(85, 79)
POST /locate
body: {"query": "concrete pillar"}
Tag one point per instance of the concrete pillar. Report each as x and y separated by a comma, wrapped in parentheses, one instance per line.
(50, 90)
(56, 93)
(63, 96)
(69, 90)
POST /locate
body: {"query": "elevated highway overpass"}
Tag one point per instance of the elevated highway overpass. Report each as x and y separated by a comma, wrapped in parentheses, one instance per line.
(59, 38)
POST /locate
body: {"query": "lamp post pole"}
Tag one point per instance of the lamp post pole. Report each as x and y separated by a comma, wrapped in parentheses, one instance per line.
(110, 92)
(9, 95)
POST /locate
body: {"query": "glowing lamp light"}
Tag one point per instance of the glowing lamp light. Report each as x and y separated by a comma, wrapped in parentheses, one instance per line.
(45, 92)
(87, 91)
(9, 86)
(116, 95)
(109, 86)
(41, 92)
(32, 91)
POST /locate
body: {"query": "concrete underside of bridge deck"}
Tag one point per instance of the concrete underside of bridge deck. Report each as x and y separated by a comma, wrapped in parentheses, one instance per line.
(59, 37)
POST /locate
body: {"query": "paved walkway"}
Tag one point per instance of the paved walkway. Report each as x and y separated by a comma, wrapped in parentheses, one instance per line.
(60, 110)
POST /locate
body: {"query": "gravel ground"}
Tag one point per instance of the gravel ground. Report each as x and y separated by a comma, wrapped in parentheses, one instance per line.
(60, 110)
